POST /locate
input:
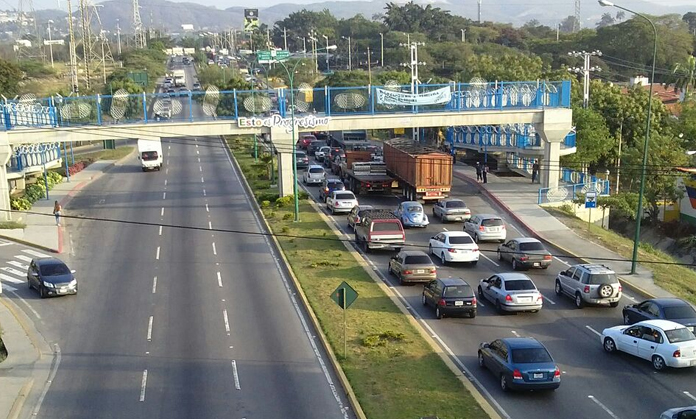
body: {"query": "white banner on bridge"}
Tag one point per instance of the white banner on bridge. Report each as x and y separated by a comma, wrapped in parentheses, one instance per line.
(388, 97)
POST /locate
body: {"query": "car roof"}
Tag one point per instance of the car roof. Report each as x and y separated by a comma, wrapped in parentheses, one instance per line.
(485, 216)
(526, 240)
(365, 207)
(511, 276)
(47, 261)
(455, 233)
(661, 324)
(453, 281)
(334, 180)
(451, 199)
(594, 268)
(670, 302)
(316, 166)
(411, 203)
(520, 343)
(413, 253)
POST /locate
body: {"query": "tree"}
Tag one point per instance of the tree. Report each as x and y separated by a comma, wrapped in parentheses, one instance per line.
(690, 19)
(570, 24)
(594, 141)
(298, 24)
(606, 20)
(620, 15)
(346, 79)
(10, 75)
(684, 76)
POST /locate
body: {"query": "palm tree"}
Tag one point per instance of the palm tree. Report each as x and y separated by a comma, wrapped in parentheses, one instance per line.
(684, 76)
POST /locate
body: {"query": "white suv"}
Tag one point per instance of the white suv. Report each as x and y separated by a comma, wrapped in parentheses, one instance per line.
(589, 284)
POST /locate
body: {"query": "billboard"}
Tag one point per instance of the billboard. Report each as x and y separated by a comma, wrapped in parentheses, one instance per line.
(251, 20)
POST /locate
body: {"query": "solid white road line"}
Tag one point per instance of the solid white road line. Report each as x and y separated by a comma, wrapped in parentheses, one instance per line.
(548, 299)
(490, 260)
(35, 253)
(143, 385)
(689, 395)
(24, 258)
(51, 376)
(158, 252)
(154, 285)
(214, 249)
(164, 195)
(160, 230)
(562, 261)
(227, 321)
(236, 375)
(606, 409)
(210, 225)
(162, 212)
(206, 208)
(13, 271)
(12, 279)
(219, 277)
(149, 329)
(593, 331)
(18, 264)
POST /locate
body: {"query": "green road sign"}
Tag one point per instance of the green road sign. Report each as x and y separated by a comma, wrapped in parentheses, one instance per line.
(344, 295)
(139, 77)
(276, 55)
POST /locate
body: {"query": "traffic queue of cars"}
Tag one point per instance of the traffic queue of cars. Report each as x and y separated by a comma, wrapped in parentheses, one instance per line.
(660, 330)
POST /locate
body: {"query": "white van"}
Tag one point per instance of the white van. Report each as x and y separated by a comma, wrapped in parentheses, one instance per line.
(150, 154)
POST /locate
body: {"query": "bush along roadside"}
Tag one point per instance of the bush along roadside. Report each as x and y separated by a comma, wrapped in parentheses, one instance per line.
(34, 192)
(394, 372)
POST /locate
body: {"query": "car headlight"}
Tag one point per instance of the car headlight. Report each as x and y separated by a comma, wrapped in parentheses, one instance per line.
(48, 284)
(73, 283)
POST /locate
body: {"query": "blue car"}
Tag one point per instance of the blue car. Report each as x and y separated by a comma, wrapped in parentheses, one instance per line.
(520, 364)
(411, 214)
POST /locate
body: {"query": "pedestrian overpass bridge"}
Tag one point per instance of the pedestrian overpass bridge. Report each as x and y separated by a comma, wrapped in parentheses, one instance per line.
(521, 118)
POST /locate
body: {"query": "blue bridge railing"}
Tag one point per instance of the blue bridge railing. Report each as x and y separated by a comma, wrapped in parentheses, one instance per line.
(520, 136)
(328, 101)
(567, 192)
(25, 156)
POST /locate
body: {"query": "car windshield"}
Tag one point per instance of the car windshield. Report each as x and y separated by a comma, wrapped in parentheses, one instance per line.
(54, 269)
(345, 196)
(679, 335)
(458, 291)
(324, 149)
(316, 170)
(492, 222)
(596, 279)
(301, 154)
(519, 285)
(418, 260)
(460, 240)
(386, 226)
(414, 208)
(317, 144)
(531, 246)
(149, 155)
(456, 204)
(530, 356)
(679, 312)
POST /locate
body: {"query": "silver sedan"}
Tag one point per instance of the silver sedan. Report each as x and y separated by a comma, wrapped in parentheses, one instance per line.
(511, 292)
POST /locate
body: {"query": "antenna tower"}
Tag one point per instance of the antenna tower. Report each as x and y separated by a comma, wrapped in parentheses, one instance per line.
(86, 39)
(479, 11)
(100, 49)
(577, 16)
(23, 21)
(73, 54)
(140, 40)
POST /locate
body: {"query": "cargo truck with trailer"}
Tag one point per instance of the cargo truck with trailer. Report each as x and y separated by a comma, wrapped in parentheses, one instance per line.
(424, 173)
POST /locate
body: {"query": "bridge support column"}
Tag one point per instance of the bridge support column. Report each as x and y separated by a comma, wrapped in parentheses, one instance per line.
(283, 143)
(553, 130)
(5, 153)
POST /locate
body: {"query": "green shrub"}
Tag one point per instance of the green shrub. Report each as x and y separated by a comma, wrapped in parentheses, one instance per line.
(265, 204)
(20, 203)
(382, 339)
(285, 200)
(56, 177)
(35, 192)
(287, 217)
(267, 196)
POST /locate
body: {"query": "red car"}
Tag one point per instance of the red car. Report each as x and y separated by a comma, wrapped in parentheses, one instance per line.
(306, 140)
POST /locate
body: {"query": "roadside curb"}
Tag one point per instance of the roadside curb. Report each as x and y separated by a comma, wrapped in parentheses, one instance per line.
(627, 283)
(21, 399)
(350, 394)
(28, 243)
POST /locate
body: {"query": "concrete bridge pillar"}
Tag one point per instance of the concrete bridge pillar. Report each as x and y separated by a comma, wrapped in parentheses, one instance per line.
(556, 124)
(5, 153)
(283, 143)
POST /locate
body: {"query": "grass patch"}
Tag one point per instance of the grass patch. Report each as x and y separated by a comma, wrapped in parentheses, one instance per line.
(679, 280)
(9, 225)
(394, 372)
(114, 154)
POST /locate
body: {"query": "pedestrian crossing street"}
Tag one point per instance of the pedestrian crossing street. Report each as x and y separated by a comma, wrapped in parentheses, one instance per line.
(13, 272)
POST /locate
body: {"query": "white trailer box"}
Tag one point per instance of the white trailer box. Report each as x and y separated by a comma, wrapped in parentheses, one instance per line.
(150, 154)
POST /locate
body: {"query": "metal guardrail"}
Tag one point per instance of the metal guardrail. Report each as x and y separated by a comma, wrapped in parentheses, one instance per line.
(328, 101)
(568, 192)
(33, 155)
(521, 136)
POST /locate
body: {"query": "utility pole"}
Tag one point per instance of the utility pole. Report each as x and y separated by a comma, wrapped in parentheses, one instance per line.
(118, 36)
(304, 44)
(585, 70)
(369, 67)
(86, 42)
(413, 65)
(350, 53)
(479, 12)
(558, 32)
(73, 55)
(313, 38)
(381, 50)
(140, 39)
(285, 39)
(50, 42)
(327, 52)
(576, 26)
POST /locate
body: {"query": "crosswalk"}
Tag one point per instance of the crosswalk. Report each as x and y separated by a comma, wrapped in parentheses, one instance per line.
(13, 272)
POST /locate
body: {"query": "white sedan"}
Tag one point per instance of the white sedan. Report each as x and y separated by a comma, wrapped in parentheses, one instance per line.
(341, 201)
(454, 246)
(663, 342)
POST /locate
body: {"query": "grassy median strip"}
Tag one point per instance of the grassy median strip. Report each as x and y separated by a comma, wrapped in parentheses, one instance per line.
(392, 369)
(679, 280)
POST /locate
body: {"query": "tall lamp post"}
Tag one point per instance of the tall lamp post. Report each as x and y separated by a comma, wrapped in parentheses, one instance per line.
(350, 53)
(327, 53)
(639, 214)
(381, 50)
(291, 79)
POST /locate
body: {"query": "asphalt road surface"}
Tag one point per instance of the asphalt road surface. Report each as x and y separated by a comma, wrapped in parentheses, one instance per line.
(181, 322)
(594, 383)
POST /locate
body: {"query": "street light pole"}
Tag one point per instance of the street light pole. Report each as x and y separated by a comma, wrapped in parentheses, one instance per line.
(350, 54)
(369, 66)
(381, 51)
(285, 39)
(327, 53)
(50, 41)
(639, 214)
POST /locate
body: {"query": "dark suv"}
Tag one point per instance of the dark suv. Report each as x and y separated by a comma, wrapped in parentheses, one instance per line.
(328, 186)
(450, 297)
(50, 276)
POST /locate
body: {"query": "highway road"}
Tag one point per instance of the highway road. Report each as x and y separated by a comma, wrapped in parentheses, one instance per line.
(594, 384)
(180, 322)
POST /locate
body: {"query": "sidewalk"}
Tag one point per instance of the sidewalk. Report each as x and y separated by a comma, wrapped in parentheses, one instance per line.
(518, 197)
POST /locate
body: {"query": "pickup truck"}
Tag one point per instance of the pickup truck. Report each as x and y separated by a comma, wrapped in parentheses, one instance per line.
(380, 230)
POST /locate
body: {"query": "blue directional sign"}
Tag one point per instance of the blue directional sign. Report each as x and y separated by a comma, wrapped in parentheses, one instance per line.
(591, 200)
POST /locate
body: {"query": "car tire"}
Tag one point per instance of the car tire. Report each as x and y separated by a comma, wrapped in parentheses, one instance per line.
(498, 307)
(579, 302)
(401, 279)
(614, 304)
(472, 314)
(605, 290)
(500, 255)
(42, 292)
(480, 292)
(515, 267)
(438, 313)
(504, 383)
(476, 238)
(443, 259)
(609, 345)
(658, 363)
(430, 249)
(626, 319)
(481, 361)
(558, 288)
(423, 300)
(545, 267)
(473, 263)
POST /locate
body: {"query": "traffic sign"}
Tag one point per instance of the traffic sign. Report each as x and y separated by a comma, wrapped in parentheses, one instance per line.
(591, 200)
(272, 55)
(344, 295)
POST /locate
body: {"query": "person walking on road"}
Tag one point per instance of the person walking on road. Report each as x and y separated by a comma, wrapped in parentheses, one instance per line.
(479, 169)
(535, 171)
(484, 173)
(56, 211)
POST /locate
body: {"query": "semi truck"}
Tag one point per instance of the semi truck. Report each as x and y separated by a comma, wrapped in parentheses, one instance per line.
(150, 154)
(370, 176)
(424, 173)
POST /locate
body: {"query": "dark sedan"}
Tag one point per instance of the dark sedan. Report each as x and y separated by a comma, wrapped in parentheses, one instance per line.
(50, 276)
(329, 186)
(672, 309)
(525, 253)
(520, 364)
